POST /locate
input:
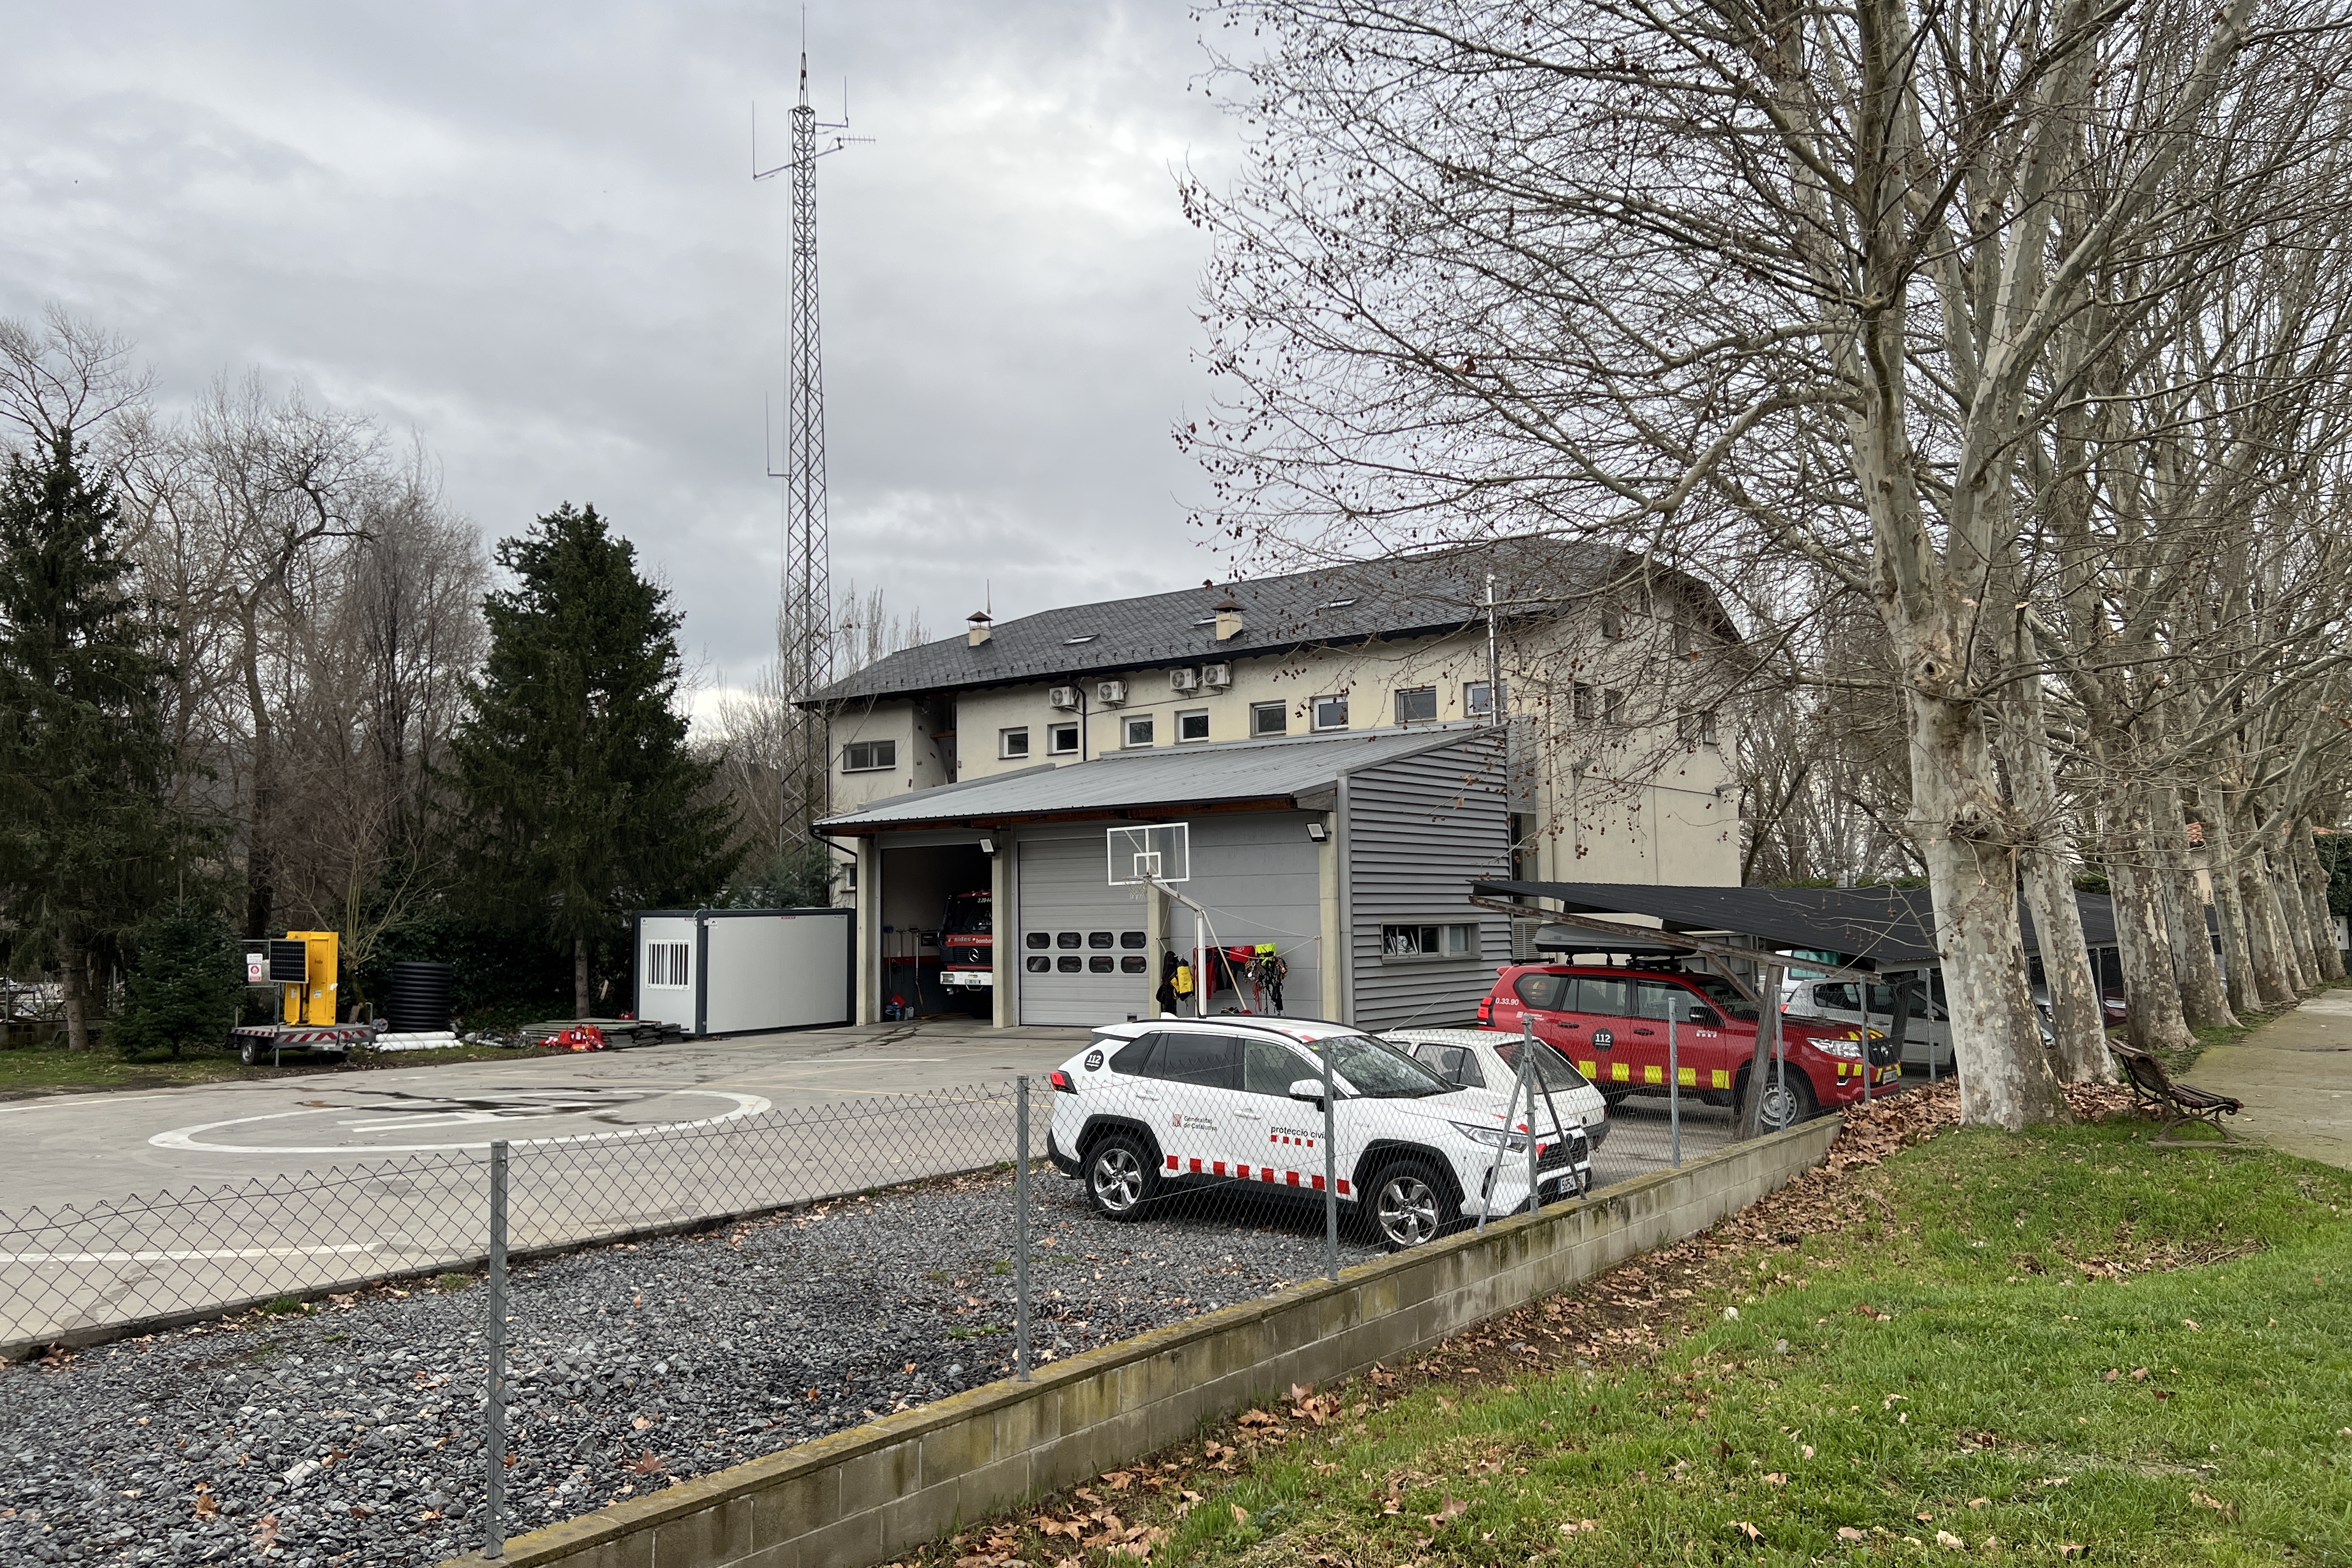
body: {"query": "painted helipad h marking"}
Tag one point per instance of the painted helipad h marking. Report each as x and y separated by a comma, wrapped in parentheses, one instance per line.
(188, 1137)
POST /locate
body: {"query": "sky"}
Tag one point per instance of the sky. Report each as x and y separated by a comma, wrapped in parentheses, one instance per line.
(528, 232)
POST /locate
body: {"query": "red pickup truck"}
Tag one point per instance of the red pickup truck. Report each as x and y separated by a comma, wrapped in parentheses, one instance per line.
(1611, 1023)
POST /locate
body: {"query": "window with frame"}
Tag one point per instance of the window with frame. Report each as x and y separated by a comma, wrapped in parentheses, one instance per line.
(670, 964)
(1012, 744)
(1062, 739)
(1695, 727)
(1416, 704)
(1453, 940)
(1136, 729)
(1477, 701)
(869, 757)
(1612, 619)
(1331, 713)
(1584, 702)
(1269, 718)
(1613, 707)
(1192, 724)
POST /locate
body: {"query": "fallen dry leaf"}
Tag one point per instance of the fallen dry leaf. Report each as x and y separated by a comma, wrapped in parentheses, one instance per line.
(1951, 1542)
(1450, 1509)
(1746, 1530)
(1848, 1532)
(1241, 1514)
(644, 1464)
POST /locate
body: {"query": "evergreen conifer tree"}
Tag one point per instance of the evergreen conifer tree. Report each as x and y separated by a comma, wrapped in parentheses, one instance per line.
(572, 762)
(184, 986)
(85, 840)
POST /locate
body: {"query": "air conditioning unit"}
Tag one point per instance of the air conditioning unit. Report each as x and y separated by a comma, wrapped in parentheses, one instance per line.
(1110, 693)
(1064, 697)
(1216, 676)
(1185, 679)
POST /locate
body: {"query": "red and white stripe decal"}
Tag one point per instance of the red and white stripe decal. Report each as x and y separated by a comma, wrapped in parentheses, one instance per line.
(1266, 1173)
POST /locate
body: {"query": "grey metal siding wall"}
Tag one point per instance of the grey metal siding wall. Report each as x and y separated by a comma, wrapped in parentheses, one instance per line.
(1258, 877)
(1420, 831)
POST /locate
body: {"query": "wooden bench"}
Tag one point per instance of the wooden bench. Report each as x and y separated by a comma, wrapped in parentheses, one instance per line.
(2177, 1103)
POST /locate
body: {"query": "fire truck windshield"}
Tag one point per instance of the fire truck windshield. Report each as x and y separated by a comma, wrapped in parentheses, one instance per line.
(968, 916)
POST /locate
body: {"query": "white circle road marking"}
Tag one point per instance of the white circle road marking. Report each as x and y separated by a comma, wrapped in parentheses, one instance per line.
(186, 1137)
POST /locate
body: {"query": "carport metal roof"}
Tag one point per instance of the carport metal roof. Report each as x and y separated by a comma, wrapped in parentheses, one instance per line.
(1868, 928)
(1265, 776)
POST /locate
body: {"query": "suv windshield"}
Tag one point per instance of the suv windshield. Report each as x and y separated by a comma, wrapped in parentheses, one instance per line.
(1724, 996)
(1378, 1070)
(1553, 1070)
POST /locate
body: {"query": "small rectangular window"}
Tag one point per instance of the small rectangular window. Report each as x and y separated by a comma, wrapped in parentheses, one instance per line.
(1138, 729)
(1612, 620)
(1583, 702)
(1192, 725)
(1331, 713)
(1062, 739)
(1416, 704)
(1012, 744)
(670, 964)
(1452, 941)
(1477, 701)
(869, 757)
(1613, 707)
(1269, 718)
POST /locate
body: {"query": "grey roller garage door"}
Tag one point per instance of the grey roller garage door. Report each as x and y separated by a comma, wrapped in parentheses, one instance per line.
(1080, 946)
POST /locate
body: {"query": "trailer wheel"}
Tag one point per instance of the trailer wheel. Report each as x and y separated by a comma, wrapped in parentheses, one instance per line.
(247, 1054)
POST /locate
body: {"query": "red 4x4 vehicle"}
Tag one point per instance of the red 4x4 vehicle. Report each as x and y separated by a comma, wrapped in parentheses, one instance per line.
(1611, 1023)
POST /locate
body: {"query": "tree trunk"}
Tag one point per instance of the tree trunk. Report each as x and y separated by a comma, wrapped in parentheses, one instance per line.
(2204, 1000)
(2229, 906)
(2152, 999)
(2294, 956)
(2279, 876)
(73, 965)
(580, 977)
(2074, 1016)
(2304, 857)
(2269, 964)
(1964, 835)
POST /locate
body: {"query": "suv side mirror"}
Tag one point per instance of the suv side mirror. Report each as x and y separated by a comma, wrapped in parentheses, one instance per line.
(1309, 1089)
(1705, 1018)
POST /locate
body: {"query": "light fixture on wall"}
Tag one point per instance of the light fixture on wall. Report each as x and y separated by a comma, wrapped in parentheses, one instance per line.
(987, 846)
(1316, 832)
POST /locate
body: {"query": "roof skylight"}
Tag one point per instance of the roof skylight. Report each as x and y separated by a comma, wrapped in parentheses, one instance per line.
(1338, 603)
(1076, 641)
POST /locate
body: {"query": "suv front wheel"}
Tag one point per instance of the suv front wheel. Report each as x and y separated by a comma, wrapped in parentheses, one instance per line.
(1782, 1108)
(1408, 1203)
(1119, 1176)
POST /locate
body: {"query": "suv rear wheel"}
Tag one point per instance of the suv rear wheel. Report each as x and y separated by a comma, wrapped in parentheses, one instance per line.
(1120, 1175)
(1408, 1203)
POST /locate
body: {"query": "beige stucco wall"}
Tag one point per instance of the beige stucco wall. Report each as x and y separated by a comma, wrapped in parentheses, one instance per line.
(1645, 808)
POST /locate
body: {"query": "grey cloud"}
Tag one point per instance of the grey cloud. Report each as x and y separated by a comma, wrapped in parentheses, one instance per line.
(529, 232)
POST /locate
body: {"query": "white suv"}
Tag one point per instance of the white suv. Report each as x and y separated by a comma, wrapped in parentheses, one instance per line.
(1171, 1104)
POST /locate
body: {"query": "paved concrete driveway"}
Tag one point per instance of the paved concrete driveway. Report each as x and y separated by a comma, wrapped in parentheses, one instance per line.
(79, 1148)
(2295, 1073)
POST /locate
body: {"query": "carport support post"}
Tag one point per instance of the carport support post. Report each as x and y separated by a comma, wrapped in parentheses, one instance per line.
(1673, 1092)
(1864, 987)
(1330, 1178)
(1021, 1229)
(1779, 1039)
(494, 1409)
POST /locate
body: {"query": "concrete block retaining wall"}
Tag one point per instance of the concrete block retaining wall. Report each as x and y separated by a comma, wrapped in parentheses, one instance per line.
(862, 1496)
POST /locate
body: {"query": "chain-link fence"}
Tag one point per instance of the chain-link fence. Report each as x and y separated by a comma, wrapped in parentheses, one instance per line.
(884, 1250)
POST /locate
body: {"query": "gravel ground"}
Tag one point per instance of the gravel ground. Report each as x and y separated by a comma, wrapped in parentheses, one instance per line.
(352, 1434)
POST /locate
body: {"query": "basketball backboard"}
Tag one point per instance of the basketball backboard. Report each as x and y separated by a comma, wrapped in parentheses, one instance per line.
(1154, 852)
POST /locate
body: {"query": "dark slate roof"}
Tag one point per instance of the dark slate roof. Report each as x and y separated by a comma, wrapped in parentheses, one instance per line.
(1164, 777)
(1346, 602)
(1871, 928)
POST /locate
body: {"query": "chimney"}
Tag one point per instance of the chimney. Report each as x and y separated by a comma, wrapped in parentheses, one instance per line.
(981, 626)
(1229, 619)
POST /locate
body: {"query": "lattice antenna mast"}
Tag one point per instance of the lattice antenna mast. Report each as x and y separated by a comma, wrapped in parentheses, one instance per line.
(804, 629)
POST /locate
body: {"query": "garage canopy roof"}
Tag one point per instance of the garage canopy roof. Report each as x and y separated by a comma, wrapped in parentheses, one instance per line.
(1271, 774)
(1868, 928)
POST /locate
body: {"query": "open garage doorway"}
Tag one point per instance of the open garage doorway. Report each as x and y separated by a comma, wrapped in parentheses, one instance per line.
(935, 921)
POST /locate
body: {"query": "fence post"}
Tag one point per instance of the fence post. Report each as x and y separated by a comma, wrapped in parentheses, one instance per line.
(1510, 1108)
(494, 1411)
(1330, 1176)
(1780, 1042)
(1864, 987)
(1673, 1087)
(1021, 1231)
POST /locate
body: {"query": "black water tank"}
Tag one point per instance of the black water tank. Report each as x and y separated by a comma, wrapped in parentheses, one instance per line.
(419, 1000)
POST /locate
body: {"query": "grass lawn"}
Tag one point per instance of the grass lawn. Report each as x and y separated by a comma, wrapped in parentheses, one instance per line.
(52, 1070)
(2058, 1346)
